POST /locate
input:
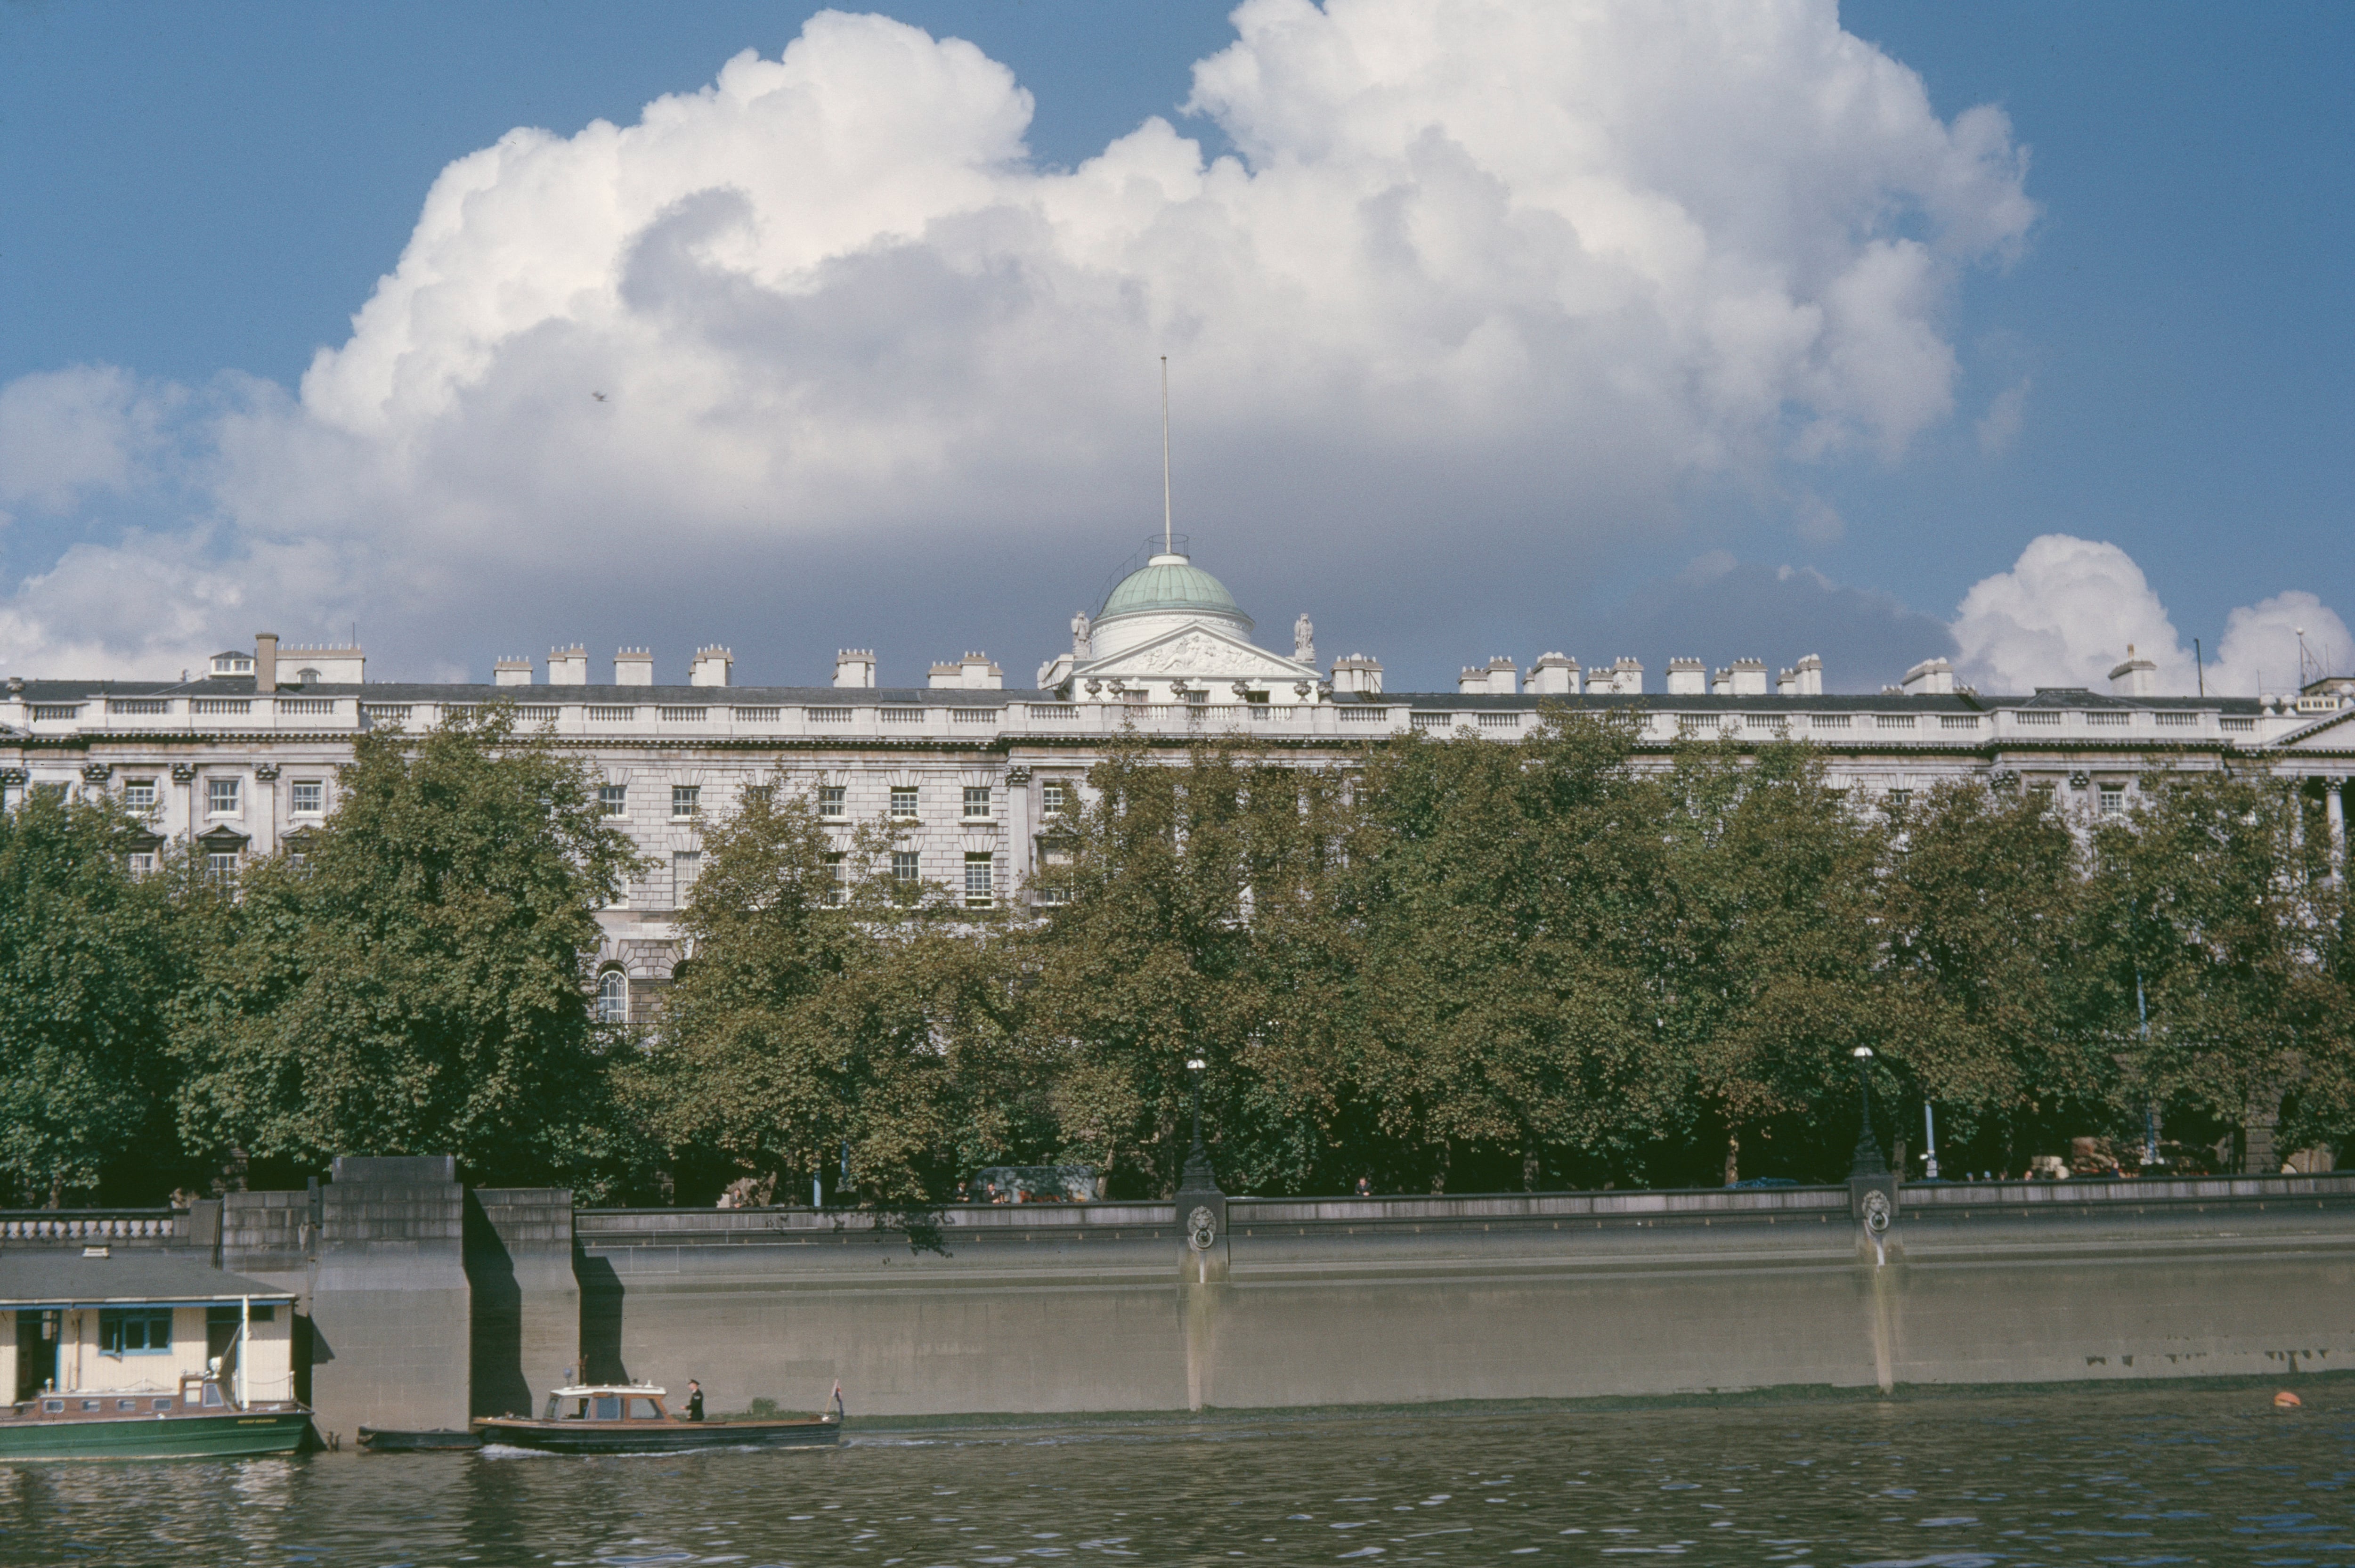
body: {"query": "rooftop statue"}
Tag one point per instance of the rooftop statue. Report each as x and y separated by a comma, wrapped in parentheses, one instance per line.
(1303, 639)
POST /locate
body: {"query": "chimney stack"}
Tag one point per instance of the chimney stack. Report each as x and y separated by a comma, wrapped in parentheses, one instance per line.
(854, 669)
(2136, 677)
(515, 671)
(1688, 678)
(1358, 674)
(633, 667)
(1936, 678)
(265, 661)
(1554, 675)
(568, 667)
(711, 667)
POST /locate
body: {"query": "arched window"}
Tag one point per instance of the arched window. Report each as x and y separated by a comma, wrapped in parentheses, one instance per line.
(613, 997)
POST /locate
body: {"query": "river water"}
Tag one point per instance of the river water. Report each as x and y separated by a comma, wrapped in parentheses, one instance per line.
(2128, 1476)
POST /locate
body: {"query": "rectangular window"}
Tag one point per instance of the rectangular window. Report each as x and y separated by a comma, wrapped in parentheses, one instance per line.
(1054, 865)
(976, 800)
(1899, 798)
(1052, 795)
(613, 800)
(837, 870)
(2113, 800)
(978, 891)
(299, 860)
(220, 866)
(907, 866)
(686, 800)
(904, 802)
(310, 796)
(760, 795)
(829, 801)
(220, 797)
(685, 865)
(142, 862)
(139, 794)
(135, 1330)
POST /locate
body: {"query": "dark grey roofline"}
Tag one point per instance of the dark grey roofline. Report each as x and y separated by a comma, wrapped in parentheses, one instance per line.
(36, 1277)
(59, 691)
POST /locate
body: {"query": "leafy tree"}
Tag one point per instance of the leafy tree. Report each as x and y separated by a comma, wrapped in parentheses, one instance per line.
(2216, 897)
(827, 1011)
(1767, 977)
(88, 960)
(1193, 931)
(1998, 1009)
(1507, 898)
(414, 984)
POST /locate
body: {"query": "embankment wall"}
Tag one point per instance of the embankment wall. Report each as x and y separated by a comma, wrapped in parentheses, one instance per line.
(1407, 1300)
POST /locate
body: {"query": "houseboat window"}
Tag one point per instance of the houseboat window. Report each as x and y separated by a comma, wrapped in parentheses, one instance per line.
(135, 1330)
(213, 1394)
(552, 1409)
(93, 1403)
(162, 1404)
(53, 1407)
(126, 1405)
(609, 1407)
(643, 1409)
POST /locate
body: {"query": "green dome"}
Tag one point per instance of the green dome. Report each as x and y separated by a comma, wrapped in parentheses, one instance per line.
(1167, 583)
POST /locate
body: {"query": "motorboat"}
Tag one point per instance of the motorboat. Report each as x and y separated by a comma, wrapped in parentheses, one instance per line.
(631, 1418)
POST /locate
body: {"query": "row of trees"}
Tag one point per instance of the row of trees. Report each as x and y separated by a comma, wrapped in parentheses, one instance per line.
(1456, 965)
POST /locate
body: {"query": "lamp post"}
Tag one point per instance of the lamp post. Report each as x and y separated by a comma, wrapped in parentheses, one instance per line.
(1198, 1159)
(1867, 1160)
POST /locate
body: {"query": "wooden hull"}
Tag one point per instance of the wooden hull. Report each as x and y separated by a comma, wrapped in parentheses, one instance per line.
(216, 1434)
(656, 1436)
(387, 1440)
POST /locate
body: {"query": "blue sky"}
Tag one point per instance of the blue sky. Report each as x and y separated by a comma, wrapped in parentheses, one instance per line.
(202, 198)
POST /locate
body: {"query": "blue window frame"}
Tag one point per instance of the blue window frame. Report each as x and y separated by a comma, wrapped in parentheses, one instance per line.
(135, 1330)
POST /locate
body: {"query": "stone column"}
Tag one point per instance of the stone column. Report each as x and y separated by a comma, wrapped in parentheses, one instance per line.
(2334, 811)
(1018, 828)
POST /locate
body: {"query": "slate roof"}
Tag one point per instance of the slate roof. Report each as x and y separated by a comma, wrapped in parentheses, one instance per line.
(35, 1277)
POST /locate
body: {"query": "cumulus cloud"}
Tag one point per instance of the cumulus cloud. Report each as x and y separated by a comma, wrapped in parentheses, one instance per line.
(68, 434)
(1484, 272)
(2069, 610)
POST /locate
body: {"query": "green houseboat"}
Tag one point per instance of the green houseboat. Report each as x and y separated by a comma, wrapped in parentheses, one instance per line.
(144, 1356)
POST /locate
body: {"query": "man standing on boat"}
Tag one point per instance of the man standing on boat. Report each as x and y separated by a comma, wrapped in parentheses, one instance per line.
(694, 1400)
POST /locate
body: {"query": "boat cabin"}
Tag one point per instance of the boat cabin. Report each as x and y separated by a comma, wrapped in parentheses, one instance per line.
(143, 1332)
(606, 1402)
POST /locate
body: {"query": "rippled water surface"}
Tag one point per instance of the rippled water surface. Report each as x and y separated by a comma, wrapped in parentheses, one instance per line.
(2142, 1476)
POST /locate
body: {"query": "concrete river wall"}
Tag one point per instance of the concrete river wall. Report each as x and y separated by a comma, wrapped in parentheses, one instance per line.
(424, 1303)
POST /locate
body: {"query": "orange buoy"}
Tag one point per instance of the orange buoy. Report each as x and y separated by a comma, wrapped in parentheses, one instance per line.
(2286, 1400)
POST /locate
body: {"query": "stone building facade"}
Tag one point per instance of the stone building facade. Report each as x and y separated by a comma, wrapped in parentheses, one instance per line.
(243, 761)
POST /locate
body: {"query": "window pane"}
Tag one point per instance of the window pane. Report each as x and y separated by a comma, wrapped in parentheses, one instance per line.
(221, 796)
(686, 800)
(829, 800)
(1050, 796)
(685, 865)
(903, 800)
(615, 799)
(613, 997)
(976, 800)
(839, 869)
(977, 868)
(310, 796)
(139, 794)
(907, 866)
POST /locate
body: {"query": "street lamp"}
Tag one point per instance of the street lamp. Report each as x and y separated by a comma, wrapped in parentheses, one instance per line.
(1197, 1173)
(1867, 1161)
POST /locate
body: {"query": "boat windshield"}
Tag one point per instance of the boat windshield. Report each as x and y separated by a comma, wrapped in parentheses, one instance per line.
(609, 1407)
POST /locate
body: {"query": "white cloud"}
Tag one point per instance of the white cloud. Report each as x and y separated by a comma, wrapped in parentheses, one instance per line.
(2069, 610)
(1529, 262)
(2006, 412)
(67, 435)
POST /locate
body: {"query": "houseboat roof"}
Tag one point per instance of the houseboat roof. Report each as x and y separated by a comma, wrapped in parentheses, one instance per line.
(586, 1391)
(41, 1279)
